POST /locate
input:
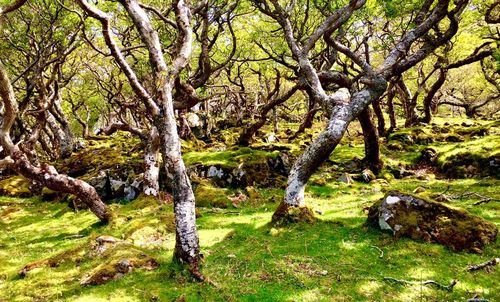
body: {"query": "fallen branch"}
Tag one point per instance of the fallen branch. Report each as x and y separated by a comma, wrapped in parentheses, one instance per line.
(425, 282)
(379, 249)
(485, 265)
(485, 200)
(477, 299)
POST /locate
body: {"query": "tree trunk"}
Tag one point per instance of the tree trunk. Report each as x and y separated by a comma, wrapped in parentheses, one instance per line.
(151, 185)
(63, 144)
(371, 139)
(311, 112)
(429, 97)
(380, 117)
(186, 245)
(391, 93)
(249, 132)
(409, 103)
(46, 175)
(341, 115)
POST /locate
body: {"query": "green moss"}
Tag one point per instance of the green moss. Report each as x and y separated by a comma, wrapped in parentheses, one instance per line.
(209, 196)
(229, 158)
(16, 186)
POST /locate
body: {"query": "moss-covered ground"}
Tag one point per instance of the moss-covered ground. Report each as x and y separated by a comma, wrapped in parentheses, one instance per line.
(338, 258)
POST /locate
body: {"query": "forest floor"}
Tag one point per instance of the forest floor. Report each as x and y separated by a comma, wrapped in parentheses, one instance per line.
(338, 258)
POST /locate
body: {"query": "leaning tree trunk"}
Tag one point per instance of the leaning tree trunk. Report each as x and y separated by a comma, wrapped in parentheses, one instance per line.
(151, 185)
(248, 133)
(45, 175)
(371, 139)
(308, 120)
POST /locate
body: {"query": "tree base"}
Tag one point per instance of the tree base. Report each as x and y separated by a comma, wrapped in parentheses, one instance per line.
(192, 265)
(286, 214)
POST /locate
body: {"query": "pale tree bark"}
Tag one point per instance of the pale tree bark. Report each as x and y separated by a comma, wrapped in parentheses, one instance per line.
(162, 110)
(151, 185)
(338, 106)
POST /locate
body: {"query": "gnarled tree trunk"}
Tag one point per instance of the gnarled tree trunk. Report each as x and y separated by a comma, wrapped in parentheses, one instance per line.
(45, 175)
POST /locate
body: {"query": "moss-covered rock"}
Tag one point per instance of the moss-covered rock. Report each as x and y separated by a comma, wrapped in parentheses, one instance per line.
(410, 216)
(208, 195)
(286, 214)
(15, 186)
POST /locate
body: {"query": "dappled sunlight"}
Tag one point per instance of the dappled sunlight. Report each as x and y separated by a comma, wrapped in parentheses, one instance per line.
(368, 287)
(210, 237)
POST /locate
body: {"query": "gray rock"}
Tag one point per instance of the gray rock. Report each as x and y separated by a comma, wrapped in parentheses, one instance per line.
(345, 178)
(368, 175)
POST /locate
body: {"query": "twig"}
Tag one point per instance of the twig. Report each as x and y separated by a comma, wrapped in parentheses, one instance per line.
(486, 265)
(425, 282)
(379, 249)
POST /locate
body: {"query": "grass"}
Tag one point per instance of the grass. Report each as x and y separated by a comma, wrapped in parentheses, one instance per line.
(337, 259)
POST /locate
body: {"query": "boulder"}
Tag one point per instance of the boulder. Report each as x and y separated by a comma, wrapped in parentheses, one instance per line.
(409, 216)
(280, 164)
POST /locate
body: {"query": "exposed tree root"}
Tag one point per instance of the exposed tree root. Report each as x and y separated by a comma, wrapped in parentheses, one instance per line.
(424, 282)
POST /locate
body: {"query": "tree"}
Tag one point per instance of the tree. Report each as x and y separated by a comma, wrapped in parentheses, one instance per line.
(159, 103)
(17, 155)
(343, 106)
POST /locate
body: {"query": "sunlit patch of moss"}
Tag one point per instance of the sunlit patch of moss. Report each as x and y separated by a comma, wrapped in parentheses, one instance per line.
(15, 186)
(229, 158)
(207, 195)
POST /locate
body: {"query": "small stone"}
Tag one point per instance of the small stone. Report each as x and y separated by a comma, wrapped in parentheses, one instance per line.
(345, 178)
(273, 232)
(271, 138)
(231, 256)
(368, 175)
(323, 273)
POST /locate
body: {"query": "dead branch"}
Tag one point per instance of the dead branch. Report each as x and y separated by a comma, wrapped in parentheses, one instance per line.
(485, 265)
(379, 249)
(424, 282)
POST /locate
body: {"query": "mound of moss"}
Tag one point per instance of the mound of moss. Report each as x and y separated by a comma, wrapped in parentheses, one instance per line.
(409, 216)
